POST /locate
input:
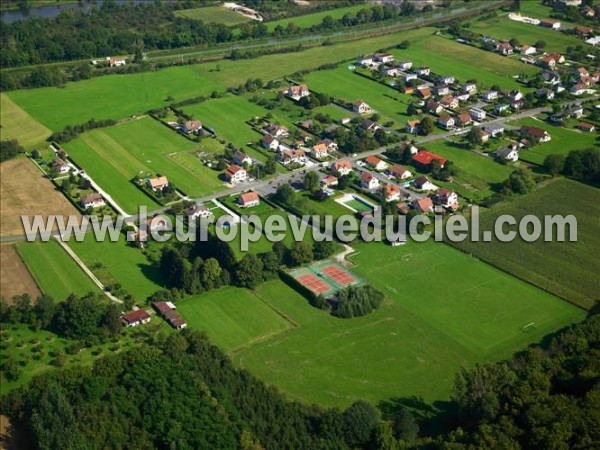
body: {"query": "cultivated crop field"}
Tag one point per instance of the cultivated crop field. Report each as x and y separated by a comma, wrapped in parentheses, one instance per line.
(15, 278)
(568, 269)
(437, 318)
(216, 14)
(232, 317)
(115, 155)
(17, 124)
(25, 191)
(563, 141)
(54, 271)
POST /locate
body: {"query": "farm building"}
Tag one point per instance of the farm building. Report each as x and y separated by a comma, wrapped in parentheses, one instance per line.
(135, 318)
(424, 158)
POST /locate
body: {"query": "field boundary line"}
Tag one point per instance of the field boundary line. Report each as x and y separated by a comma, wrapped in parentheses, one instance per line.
(278, 311)
(33, 277)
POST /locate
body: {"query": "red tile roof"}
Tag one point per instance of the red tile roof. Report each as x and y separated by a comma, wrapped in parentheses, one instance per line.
(425, 158)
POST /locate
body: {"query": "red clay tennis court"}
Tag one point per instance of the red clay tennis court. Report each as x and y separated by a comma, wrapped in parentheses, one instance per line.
(313, 283)
(338, 275)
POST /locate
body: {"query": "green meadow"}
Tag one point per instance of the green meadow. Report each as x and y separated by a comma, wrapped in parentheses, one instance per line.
(17, 124)
(444, 310)
(216, 14)
(56, 274)
(308, 20)
(113, 156)
(563, 141)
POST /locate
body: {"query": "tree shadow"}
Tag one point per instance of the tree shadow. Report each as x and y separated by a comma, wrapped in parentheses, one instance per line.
(434, 418)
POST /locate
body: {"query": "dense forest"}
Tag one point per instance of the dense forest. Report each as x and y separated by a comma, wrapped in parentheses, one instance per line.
(183, 392)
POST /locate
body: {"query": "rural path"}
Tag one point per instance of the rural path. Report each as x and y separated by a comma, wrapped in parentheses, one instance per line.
(87, 271)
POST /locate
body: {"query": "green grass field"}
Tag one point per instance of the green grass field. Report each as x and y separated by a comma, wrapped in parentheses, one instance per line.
(308, 20)
(447, 57)
(502, 27)
(216, 14)
(118, 262)
(568, 269)
(17, 124)
(115, 155)
(476, 173)
(54, 271)
(443, 311)
(232, 317)
(119, 96)
(563, 141)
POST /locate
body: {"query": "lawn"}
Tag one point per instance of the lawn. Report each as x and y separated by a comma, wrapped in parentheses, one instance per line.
(56, 274)
(119, 96)
(443, 311)
(232, 317)
(447, 57)
(114, 156)
(476, 173)
(316, 18)
(563, 141)
(17, 124)
(568, 269)
(502, 27)
(216, 14)
(122, 263)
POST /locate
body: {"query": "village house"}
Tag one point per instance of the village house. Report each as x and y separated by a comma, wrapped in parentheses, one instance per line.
(269, 142)
(579, 89)
(586, 126)
(345, 120)
(446, 122)
(494, 129)
(582, 72)
(535, 134)
(423, 205)
(447, 79)
(576, 112)
(463, 119)
(549, 77)
(424, 93)
(192, 126)
(331, 145)
(528, 50)
(398, 172)
(484, 137)
(157, 184)
(504, 48)
(412, 126)
(477, 114)
(545, 93)
(369, 125)
(405, 65)
(489, 96)
(376, 163)
(470, 87)
(248, 199)
(384, 58)
(329, 180)
(361, 107)
(441, 89)
(510, 153)
(571, 2)
(289, 156)
(196, 211)
(447, 198)
(449, 102)
(366, 61)
(93, 200)
(587, 11)
(319, 151)
(517, 104)
(584, 31)
(135, 318)
(409, 77)
(277, 130)
(392, 193)
(462, 96)
(241, 158)
(368, 181)
(515, 95)
(235, 174)
(501, 108)
(423, 71)
(424, 158)
(423, 183)
(60, 166)
(434, 107)
(548, 62)
(296, 92)
(550, 23)
(392, 71)
(342, 168)
(115, 62)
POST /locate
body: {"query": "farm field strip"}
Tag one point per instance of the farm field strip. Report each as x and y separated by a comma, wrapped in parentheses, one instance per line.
(216, 14)
(307, 20)
(17, 124)
(15, 277)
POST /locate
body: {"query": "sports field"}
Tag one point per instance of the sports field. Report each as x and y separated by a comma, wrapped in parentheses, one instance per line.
(326, 278)
(216, 14)
(563, 141)
(54, 271)
(568, 269)
(232, 317)
(17, 124)
(114, 156)
(444, 310)
(119, 262)
(308, 20)
(25, 191)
